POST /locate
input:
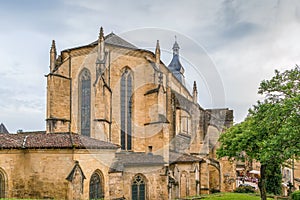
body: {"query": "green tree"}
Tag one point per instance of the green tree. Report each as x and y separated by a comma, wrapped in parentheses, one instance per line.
(271, 132)
(273, 179)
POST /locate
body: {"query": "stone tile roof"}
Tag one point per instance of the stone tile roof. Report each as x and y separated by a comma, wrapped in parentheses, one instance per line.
(175, 157)
(3, 128)
(124, 159)
(115, 40)
(32, 140)
(11, 141)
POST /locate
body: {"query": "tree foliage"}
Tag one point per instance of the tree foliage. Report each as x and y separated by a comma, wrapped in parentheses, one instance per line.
(273, 179)
(271, 132)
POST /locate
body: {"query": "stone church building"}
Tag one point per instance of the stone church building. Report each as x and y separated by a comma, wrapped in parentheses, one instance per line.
(120, 124)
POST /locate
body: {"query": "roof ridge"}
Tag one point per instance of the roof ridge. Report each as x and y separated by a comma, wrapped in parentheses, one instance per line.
(24, 141)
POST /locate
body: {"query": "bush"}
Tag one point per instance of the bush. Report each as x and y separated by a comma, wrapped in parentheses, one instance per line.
(244, 189)
(296, 195)
(213, 190)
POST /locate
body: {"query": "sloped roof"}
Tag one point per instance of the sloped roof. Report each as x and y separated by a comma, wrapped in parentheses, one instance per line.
(124, 159)
(176, 157)
(116, 40)
(3, 128)
(52, 140)
(71, 176)
(175, 64)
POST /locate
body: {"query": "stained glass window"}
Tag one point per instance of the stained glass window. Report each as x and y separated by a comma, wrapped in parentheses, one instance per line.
(138, 188)
(85, 102)
(96, 186)
(2, 186)
(126, 107)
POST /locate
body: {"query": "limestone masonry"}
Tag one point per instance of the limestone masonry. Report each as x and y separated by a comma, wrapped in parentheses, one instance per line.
(120, 124)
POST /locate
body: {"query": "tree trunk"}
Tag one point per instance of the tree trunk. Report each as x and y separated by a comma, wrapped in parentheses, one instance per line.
(262, 182)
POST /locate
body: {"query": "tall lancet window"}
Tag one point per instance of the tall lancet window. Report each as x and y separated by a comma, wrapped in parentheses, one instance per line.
(85, 102)
(126, 105)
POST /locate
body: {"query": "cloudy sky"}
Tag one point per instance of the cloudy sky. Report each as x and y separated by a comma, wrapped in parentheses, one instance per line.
(241, 43)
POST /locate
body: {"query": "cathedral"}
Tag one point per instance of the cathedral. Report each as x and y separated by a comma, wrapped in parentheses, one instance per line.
(120, 124)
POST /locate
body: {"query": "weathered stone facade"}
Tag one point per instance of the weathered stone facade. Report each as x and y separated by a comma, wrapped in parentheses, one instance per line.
(112, 91)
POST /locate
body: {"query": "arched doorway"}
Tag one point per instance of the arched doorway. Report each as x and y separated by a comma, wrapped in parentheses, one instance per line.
(214, 178)
(183, 184)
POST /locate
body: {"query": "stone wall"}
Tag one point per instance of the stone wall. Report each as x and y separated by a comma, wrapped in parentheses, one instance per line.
(154, 176)
(43, 174)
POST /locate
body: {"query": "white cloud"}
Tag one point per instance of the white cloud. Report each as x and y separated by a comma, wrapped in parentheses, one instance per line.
(247, 40)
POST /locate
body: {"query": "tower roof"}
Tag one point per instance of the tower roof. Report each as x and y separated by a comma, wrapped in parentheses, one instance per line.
(176, 47)
(175, 66)
(3, 128)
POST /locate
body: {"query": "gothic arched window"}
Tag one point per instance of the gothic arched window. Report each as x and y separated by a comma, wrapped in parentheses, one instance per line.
(2, 185)
(85, 102)
(138, 188)
(126, 106)
(96, 186)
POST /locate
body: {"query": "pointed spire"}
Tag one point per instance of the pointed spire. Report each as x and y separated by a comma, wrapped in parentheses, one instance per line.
(176, 47)
(194, 86)
(101, 34)
(101, 44)
(195, 93)
(175, 65)
(52, 56)
(53, 47)
(157, 53)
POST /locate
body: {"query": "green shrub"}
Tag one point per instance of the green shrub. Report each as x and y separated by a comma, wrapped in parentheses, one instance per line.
(213, 190)
(296, 195)
(244, 189)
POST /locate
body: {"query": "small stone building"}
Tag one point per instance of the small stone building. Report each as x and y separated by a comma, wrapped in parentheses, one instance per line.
(120, 124)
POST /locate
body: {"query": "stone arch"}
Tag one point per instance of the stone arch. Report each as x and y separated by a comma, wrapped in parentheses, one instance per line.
(84, 102)
(139, 187)
(214, 176)
(96, 185)
(3, 184)
(184, 184)
(127, 68)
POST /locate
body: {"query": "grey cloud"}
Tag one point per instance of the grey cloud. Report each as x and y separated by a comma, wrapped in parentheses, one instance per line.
(246, 40)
